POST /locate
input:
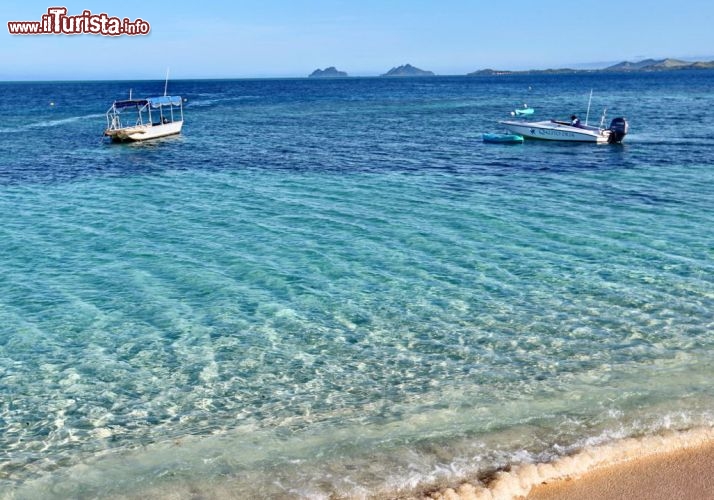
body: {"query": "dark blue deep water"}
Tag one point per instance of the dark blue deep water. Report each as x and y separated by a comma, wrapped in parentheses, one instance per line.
(334, 288)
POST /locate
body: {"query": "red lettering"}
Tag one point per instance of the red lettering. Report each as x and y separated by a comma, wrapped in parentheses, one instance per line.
(57, 21)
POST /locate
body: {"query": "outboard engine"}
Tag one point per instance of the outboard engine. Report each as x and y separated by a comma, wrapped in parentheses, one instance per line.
(618, 130)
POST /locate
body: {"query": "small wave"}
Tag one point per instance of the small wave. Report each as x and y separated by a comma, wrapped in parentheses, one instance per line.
(198, 103)
(693, 140)
(48, 123)
(518, 482)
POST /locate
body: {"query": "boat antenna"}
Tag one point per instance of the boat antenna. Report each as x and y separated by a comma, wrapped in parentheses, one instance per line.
(587, 115)
(166, 84)
(602, 120)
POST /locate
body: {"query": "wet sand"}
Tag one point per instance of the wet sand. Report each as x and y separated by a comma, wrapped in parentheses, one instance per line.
(673, 466)
(685, 474)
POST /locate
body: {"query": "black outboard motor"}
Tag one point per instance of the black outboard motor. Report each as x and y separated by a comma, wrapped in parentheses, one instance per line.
(618, 130)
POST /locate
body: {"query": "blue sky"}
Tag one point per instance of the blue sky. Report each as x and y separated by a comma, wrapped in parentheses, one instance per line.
(277, 38)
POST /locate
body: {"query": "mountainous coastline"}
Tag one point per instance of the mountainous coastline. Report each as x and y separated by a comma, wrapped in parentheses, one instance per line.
(660, 65)
(646, 65)
(330, 72)
(407, 70)
(625, 66)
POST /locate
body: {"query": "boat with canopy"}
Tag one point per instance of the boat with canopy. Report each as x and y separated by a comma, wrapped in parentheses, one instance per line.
(143, 119)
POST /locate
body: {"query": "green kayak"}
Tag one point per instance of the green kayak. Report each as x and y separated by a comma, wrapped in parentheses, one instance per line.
(503, 138)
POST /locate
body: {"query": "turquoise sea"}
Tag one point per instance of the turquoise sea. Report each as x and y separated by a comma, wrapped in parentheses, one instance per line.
(335, 289)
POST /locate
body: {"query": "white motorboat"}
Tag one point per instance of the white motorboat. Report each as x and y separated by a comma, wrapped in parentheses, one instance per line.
(573, 131)
(143, 119)
(553, 130)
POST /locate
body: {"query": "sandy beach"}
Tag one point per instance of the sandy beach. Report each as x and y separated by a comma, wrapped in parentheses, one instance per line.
(675, 466)
(685, 474)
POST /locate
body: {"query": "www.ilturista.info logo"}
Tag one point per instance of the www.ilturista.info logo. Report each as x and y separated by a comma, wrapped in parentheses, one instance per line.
(57, 22)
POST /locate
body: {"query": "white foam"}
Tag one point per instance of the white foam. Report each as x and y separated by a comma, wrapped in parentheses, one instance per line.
(62, 121)
(199, 103)
(48, 123)
(519, 481)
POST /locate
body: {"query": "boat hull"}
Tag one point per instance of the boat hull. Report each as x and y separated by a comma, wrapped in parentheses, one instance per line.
(144, 132)
(557, 131)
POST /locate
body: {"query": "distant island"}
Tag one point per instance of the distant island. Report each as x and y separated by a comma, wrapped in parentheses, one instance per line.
(407, 70)
(646, 65)
(330, 72)
(625, 66)
(660, 65)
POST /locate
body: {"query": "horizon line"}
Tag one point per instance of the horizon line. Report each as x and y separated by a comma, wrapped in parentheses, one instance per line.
(582, 69)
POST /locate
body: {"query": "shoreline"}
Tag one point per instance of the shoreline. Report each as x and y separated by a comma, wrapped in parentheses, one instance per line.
(687, 473)
(672, 465)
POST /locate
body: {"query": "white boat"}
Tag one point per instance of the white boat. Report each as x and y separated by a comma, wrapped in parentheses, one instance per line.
(573, 131)
(144, 119)
(553, 130)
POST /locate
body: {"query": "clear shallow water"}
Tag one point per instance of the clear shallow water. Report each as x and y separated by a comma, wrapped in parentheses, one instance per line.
(334, 287)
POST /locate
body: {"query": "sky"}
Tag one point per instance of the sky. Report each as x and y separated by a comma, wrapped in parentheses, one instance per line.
(280, 38)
